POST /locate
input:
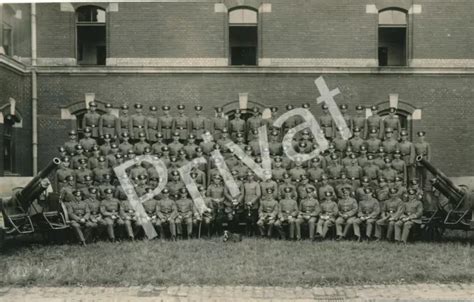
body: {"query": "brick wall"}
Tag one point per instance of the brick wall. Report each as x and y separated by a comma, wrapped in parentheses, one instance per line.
(445, 101)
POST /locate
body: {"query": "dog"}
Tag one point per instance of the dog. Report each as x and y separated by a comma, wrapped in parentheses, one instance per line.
(231, 237)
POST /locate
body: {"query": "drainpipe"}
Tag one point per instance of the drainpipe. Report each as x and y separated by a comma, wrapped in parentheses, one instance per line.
(34, 90)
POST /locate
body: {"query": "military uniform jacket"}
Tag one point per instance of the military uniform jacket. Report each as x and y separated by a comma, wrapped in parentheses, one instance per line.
(264, 185)
(348, 206)
(139, 147)
(70, 146)
(329, 208)
(390, 145)
(389, 174)
(110, 207)
(137, 124)
(181, 125)
(371, 171)
(302, 194)
(309, 207)
(360, 121)
(77, 210)
(237, 126)
(219, 123)
(157, 147)
(150, 207)
(91, 120)
(254, 122)
(325, 188)
(375, 122)
(423, 149)
(334, 171)
(126, 209)
(327, 125)
(108, 124)
(165, 125)
(268, 207)
(252, 193)
(382, 194)
(315, 173)
(151, 127)
(355, 172)
(87, 143)
(392, 122)
(297, 172)
(277, 173)
(392, 208)
(369, 207)
(355, 143)
(125, 147)
(94, 206)
(408, 152)
(373, 145)
(340, 144)
(413, 209)
(167, 208)
(185, 207)
(123, 124)
(287, 207)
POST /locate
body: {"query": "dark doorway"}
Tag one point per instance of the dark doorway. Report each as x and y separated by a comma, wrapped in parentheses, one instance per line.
(245, 114)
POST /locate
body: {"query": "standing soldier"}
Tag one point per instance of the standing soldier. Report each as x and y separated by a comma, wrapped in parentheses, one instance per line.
(328, 214)
(390, 143)
(277, 170)
(423, 150)
(157, 147)
(190, 147)
(110, 210)
(79, 155)
(373, 143)
(315, 171)
(79, 213)
(87, 142)
(62, 173)
(388, 172)
(267, 213)
(327, 123)
(108, 123)
(237, 125)
(287, 214)
(287, 183)
(253, 123)
(290, 122)
(269, 121)
(106, 146)
(408, 154)
(399, 165)
(185, 213)
(165, 123)
(347, 118)
(175, 145)
(411, 215)
(360, 120)
(356, 142)
(297, 171)
(234, 204)
(375, 122)
(325, 187)
(369, 210)
(347, 211)
(70, 145)
(199, 123)
(269, 183)
(308, 212)
(125, 145)
(123, 122)
(67, 188)
(137, 122)
(141, 145)
(91, 120)
(371, 170)
(392, 121)
(151, 125)
(340, 144)
(219, 123)
(167, 214)
(181, 124)
(390, 213)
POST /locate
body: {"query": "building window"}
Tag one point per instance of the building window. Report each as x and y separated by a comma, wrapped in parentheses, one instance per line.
(243, 36)
(7, 35)
(392, 38)
(91, 46)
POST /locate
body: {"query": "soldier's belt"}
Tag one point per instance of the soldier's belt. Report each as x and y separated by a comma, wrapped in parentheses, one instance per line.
(109, 126)
(139, 127)
(154, 128)
(92, 126)
(166, 127)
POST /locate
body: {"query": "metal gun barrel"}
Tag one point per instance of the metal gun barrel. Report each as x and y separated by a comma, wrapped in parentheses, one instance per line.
(443, 180)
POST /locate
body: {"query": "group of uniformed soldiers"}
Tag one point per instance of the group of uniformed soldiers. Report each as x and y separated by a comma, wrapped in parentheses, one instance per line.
(370, 180)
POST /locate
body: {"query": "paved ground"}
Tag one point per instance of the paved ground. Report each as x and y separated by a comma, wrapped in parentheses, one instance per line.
(432, 292)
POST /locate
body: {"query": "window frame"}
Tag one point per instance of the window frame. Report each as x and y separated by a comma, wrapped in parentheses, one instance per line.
(90, 24)
(407, 36)
(258, 29)
(10, 47)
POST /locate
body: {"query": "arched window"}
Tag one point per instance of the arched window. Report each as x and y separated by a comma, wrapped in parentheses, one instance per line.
(243, 36)
(392, 37)
(91, 21)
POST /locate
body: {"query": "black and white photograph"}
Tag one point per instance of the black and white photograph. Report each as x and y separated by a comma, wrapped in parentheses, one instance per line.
(236, 150)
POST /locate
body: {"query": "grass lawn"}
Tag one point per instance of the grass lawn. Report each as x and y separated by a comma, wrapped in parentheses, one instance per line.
(250, 262)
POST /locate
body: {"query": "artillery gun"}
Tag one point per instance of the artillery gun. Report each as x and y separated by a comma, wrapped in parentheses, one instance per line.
(31, 209)
(454, 204)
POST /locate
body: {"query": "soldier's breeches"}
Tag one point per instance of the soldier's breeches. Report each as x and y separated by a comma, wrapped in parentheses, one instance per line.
(398, 230)
(109, 222)
(323, 226)
(77, 228)
(128, 228)
(406, 230)
(311, 225)
(378, 227)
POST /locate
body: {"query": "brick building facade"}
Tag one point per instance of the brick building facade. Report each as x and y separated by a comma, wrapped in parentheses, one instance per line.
(170, 52)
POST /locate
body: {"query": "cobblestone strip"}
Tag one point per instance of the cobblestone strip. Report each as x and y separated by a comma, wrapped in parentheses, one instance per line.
(182, 293)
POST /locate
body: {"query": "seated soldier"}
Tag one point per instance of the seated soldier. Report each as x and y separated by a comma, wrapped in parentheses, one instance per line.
(390, 213)
(369, 210)
(79, 214)
(347, 211)
(95, 218)
(166, 214)
(208, 215)
(328, 214)
(110, 210)
(150, 206)
(185, 207)
(309, 210)
(129, 216)
(267, 213)
(287, 214)
(411, 215)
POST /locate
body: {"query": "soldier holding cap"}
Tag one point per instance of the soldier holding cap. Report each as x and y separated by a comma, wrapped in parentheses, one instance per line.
(309, 210)
(328, 214)
(390, 143)
(167, 214)
(360, 121)
(78, 212)
(347, 211)
(151, 124)
(141, 145)
(165, 123)
(411, 215)
(91, 120)
(125, 146)
(123, 123)
(287, 213)
(369, 210)
(87, 142)
(267, 213)
(390, 213)
(108, 122)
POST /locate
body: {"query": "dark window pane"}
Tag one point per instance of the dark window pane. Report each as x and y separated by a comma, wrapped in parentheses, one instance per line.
(91, 45)
(392, 46)
(243, 45)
